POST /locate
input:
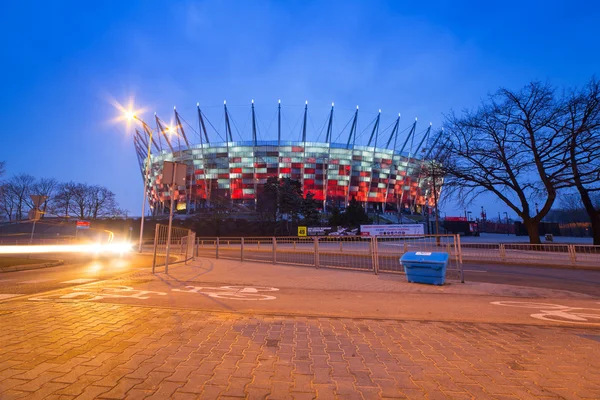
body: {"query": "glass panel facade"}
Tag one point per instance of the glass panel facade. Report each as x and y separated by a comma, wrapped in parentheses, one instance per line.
(331, 172)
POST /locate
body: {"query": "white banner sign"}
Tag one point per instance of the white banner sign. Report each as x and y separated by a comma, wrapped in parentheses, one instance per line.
(391, 230)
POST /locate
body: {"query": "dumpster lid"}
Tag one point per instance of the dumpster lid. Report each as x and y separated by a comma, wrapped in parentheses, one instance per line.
(427, 256)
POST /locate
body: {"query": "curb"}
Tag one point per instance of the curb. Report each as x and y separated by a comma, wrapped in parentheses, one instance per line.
(26, 267)
(483, 263)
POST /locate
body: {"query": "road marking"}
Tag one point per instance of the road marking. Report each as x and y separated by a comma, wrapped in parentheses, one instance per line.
(4, 296)
(232, 292)
(38, 281)
(82, 280)
(92, 294)
(558, 312)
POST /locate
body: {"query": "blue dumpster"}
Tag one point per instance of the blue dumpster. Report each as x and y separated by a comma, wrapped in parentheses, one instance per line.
(425, 267)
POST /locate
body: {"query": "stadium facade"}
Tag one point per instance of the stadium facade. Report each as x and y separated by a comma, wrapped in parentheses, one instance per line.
(378, 174)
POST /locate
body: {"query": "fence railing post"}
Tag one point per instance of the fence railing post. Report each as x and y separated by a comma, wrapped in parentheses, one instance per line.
(242, 249)
(502, 249)
(274, 250)
(316, 240)
(459, 258)
(572, 254)
(374, 254)
(156, 232)
(217, 248)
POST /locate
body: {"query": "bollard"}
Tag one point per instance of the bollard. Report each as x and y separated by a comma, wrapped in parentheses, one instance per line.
(217, 248)
(242, 250)
(341, 246)
(274, 250)
(316, 240)
(258, 244)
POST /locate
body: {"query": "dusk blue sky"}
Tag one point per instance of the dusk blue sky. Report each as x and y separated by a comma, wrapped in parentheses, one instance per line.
(63, 62)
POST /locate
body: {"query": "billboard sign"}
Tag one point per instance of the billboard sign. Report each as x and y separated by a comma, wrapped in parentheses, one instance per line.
(392, 230)
(83, 224)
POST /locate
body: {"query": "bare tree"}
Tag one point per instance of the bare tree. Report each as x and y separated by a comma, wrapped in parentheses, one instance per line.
(101, 202)
(582, 130)
(62, 203)
(45, 187)
(512, 146)
(18, 188)
(7, 203)
(81, 200)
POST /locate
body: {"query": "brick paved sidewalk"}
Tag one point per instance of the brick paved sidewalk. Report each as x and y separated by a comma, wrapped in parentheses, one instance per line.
(83, 350)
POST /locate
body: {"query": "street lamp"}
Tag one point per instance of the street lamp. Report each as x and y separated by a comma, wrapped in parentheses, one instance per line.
(130, 116)
(506, 214)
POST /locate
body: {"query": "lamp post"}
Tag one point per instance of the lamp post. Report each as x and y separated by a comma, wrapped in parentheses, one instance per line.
(506, 214)
(131, 116)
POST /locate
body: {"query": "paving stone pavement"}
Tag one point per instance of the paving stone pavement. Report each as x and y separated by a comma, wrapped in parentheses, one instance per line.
(84, 350)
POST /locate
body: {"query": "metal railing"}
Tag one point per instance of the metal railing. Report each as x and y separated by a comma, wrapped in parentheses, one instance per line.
(379, 254)
(181, 246)
(533, 254)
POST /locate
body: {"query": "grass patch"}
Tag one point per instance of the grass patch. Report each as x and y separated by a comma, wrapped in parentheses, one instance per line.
(10, 261)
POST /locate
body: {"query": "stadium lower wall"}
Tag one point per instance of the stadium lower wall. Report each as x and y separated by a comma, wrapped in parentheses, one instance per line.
(239, 170)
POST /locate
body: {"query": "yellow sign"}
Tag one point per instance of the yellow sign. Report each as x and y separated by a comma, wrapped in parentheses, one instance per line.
(302, 231)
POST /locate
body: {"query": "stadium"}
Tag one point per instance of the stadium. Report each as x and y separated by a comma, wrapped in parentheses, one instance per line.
(380, 167)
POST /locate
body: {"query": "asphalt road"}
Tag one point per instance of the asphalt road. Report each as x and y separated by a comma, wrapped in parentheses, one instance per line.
(70, 274)
(580, 281)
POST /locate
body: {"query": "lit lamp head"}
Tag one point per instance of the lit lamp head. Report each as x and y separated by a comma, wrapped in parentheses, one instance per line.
(129, 115)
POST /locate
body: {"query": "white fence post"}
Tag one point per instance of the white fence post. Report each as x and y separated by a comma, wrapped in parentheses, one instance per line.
(316, 240)
(242, 249)
(572, 254)
(374, 254)
(156, 233)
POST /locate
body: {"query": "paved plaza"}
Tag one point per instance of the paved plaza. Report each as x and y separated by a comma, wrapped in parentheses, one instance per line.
(225, 329)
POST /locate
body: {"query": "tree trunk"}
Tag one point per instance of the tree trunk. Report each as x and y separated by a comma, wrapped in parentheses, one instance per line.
(531, 224)
(596, 229)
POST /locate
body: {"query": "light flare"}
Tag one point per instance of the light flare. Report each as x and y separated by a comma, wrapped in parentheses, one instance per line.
(94, 248)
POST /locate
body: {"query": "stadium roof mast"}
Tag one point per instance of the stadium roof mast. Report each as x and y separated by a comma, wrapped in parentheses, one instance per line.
(202, 125)
(148, 132)
(227, 140)
(304, 140)
(162, 130)
(425, 136)
(202, 128)
(435, 142)
(329, 126)
(227, 125)
(254, 139)
(140, 137)
(410, 135)
(279, 139)
(375, 130)
(353, 131)
(279, 124)
(419, 179)
(179, 127)
(325, 171)
(394, 134)
(304, 123)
